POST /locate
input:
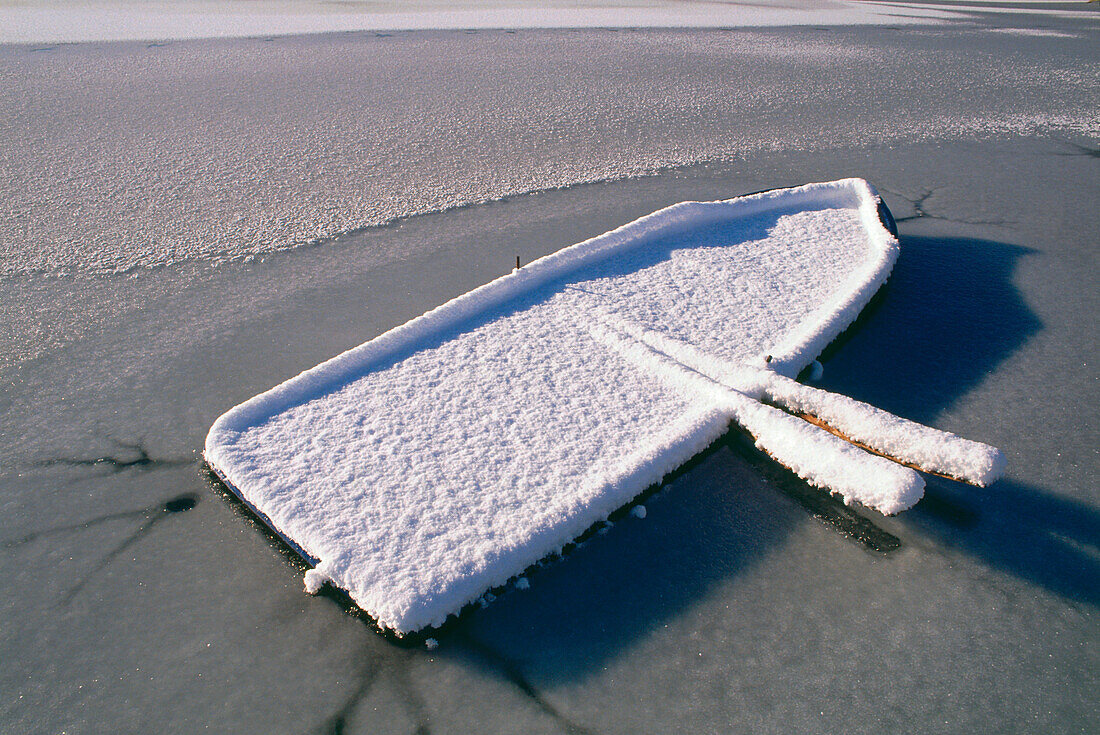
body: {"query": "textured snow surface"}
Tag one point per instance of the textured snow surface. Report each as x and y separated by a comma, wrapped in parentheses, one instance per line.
(444, 457)
(213, 150)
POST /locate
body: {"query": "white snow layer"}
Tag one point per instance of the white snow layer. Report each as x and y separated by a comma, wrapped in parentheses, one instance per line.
(447, 455)
(53, 21)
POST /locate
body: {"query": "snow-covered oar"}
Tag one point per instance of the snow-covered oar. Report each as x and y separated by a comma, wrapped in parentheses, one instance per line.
(860, 424)
(916, 445)
(816, 456)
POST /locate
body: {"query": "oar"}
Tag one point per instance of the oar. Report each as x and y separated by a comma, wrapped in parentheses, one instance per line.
(914, 445)
(828, 439)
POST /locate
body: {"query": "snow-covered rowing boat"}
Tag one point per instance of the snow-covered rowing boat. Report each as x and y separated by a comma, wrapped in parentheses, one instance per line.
(447, 455)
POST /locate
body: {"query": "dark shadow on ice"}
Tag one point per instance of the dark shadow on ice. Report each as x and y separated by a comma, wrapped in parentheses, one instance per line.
(827, 508)
(712, 519)
(1050, 541)
(947, 317)
(338, 722)
(132, 455)
(150, 517)
(510, 671)
(1079, 150)
(946, 507)
(717, 517)
(383, 665)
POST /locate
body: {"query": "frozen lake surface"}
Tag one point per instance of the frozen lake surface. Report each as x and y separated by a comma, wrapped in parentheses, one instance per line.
(137, 181)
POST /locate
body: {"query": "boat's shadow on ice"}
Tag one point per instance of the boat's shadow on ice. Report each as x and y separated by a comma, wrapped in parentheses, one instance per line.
(704, 527)
(949, 315)
(947, 318)
(1049, 541)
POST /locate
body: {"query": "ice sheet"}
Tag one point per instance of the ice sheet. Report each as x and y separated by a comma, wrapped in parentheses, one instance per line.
(728, 597)
(447, 455)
